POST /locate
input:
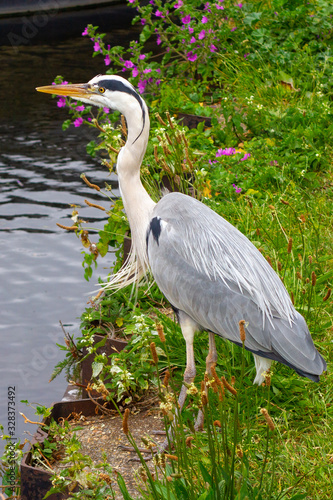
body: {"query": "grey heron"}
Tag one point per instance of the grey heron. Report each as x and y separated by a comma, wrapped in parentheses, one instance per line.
(211, 274)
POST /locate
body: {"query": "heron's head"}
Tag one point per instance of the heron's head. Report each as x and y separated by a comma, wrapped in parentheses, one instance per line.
(109, 91)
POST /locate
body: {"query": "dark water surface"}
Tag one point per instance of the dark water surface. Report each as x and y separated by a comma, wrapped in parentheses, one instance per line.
(41, 275)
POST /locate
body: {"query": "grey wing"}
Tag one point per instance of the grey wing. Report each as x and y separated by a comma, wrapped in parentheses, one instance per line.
(218, 283)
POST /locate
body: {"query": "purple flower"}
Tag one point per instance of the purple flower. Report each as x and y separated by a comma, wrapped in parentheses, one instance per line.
(148, 70)
(212, 48)
(204, 20)
(142, 85)
(237, 189)
(158, 41)
(186, 19)
(142, 56)
(135, 72)
(191, 56)
(128, 64)
(190, 30)
(207, 7)
(158, 13)
(97, 47)
(202, 35)
(225, 152)
(85, 32)
(107, 60)
(193, 40)
(78, 122)
(246, 156)
(106, 110)
(178, 4)
(80, 108)
(143, 22)
(234, 28)
(247, 54)
(219, 7)
(240, 5)
(61, 103)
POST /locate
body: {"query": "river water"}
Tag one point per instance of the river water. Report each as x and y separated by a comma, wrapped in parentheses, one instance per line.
(41, 274)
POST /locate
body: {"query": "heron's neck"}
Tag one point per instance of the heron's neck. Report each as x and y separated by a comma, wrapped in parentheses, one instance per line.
(137, 203)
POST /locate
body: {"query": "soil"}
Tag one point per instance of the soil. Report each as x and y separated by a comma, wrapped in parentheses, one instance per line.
(103, 434)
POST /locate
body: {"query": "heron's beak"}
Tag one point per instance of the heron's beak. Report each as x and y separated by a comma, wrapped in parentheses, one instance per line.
(78, 90)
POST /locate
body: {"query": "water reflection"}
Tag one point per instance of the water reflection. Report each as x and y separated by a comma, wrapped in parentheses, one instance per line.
(41, 276)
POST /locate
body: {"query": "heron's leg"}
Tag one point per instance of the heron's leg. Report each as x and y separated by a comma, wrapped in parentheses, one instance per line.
(212, 354)
(188, 327)
(210, 363)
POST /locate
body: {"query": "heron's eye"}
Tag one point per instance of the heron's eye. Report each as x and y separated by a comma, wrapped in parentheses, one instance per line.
(101, 90)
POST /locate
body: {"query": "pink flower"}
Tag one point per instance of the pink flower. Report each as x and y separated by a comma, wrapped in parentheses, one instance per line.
(80, 108)
(240, 5)
(85, 32)
(97, 47)
(212, 48)
(107, 60)
(158, 41)
(204, 20)
(202, 35)
(158, 13)
(237, 189)
(190, 30)
(106, 110)
(247, 54)
(193, 40)
(234, 28)
(135, 72)
(186, 19)
(219, 7)
(191, 56)
(178, 4)
(246, 156)
(61, 103)
(78, 122)
(142, 56)
(148, 70)
(143, 22)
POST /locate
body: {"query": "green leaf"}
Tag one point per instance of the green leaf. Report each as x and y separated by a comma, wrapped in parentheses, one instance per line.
(251, 17)
(145, 34)
(205, 474)
(66, 124)
(123, 489)
(91, 148)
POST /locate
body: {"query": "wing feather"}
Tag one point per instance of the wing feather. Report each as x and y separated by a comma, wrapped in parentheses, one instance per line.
(218, 250)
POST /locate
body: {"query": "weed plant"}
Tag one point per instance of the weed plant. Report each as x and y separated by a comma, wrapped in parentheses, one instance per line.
(261, 72)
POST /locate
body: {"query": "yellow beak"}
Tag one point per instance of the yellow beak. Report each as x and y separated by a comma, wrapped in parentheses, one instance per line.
(72, 90)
